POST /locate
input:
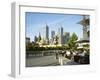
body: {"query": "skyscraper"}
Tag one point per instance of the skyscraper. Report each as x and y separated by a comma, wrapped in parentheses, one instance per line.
(52, 37)
(60, 34)
(46, 34)
(35, 39)
(66, 37)
(52, 34)
(39, 37)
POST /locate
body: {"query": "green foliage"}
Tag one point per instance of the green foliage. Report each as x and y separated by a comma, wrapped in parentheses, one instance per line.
(29, 46)
(73, 37)
(37, 48)
(72, 42)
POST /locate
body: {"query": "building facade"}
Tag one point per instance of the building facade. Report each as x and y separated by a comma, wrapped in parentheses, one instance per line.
(46, 34)
(66, 37)
(52, 37)
(60, 34)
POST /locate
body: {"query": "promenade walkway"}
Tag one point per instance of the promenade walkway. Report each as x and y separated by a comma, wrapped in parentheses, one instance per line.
(48, 61)
(41, 61)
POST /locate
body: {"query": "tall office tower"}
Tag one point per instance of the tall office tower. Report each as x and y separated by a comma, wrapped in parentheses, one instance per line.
(46, 34)
(66, 37)
(39, 37)
(52, 34)
(52, 37)
(60, 34)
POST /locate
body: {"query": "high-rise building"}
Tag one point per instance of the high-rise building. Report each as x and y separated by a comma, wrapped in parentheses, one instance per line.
(39, 37)
(52, 37)
(35, 39)
(46, 34)
(66, 37)
(52, 34)
(60, 33)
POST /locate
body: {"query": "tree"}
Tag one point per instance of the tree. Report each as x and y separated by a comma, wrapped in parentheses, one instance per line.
(72, 42)
(43, 42)
(29, 47)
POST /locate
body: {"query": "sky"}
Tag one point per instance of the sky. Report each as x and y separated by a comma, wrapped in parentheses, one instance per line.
(35, 22)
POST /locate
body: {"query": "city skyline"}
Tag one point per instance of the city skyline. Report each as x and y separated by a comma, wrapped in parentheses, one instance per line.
(36, 21)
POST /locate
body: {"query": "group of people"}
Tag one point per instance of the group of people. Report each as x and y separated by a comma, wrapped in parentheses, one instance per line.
(80, 56)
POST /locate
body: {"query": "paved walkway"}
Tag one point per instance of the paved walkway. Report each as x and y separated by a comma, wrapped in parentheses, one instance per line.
(42, 61)
(48, 61)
